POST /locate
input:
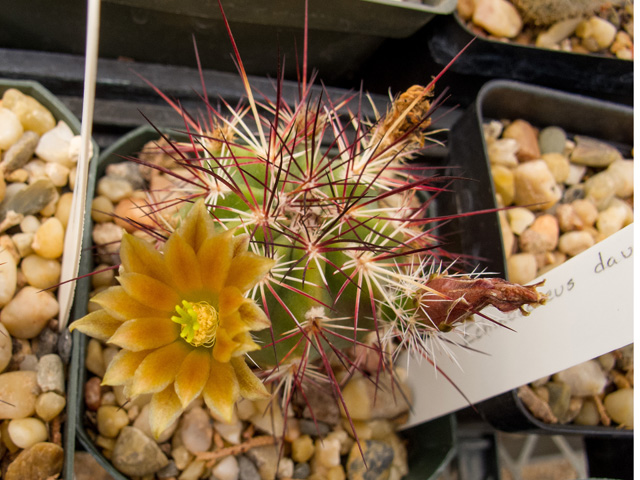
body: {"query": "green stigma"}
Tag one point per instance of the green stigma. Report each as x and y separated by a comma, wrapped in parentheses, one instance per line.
(198, 323)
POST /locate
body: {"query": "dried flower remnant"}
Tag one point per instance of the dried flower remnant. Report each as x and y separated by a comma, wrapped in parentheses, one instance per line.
(182, 319)
(450, 300)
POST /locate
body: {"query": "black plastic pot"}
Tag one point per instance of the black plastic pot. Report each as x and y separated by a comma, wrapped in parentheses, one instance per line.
(61, 112)
(431, 445)
(576, 72)
(541, 107)
(342, 33)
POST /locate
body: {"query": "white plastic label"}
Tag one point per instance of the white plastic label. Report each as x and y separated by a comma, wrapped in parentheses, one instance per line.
(589, 312)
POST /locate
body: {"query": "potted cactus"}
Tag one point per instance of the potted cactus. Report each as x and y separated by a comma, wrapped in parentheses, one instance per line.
(281, 252)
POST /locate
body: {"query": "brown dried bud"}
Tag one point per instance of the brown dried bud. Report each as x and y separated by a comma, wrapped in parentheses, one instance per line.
(450, 300)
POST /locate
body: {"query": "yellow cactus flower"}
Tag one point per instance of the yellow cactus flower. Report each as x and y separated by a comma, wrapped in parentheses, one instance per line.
(182, 320)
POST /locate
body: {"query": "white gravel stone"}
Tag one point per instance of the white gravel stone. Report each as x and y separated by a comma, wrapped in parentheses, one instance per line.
(573, 243)
(19, 390)
(8, 277)
(48, 241)
(10, 128)
(6, 347)
(54, 145)
(28, 312)
(522, 267)
(29, 224)
(535, 186)
(226, 469)
(51, 374)
(498, 17)
(25, 432)
(49, 405)
(41, 272)
(584, 379)
(619, 406)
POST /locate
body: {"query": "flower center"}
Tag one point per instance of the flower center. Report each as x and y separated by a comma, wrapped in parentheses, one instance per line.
(198, 323)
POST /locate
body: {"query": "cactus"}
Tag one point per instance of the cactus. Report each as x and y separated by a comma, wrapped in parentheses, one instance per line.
(333, 202)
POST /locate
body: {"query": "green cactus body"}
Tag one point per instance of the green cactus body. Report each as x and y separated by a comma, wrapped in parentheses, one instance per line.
(342, 213)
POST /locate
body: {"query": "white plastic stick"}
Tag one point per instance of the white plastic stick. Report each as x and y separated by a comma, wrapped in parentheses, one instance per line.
(75, 227)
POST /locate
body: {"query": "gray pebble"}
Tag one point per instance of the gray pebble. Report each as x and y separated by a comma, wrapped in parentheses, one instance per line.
(552, 140)
(307, 427)
(575, 192)
(301, 470)
(45, 343)
(20, 152)
(321, 405)
(129, 171)
(593, 153)
(64, 346)
(136, 454)
(248, 470)
(378, 457)
(30, 199)
(169, 471)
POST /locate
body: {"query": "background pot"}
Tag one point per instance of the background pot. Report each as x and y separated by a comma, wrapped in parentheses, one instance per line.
(342, 33)
(595, 75)
(575, 114)
(61, 112)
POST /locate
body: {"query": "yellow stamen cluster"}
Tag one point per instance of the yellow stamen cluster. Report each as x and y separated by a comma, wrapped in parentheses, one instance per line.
(199, 323)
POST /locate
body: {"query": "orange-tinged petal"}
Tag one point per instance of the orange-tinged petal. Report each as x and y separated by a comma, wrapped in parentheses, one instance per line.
(215, 257)
(181, 260)
(159, 368)
(98, 324)
(240, 243)
(164, 409)
(122, 367)
(247, 269)
(230, 300)
(193, 375)
(250, 386)
(224, 347)
(197, 226)
(149, 291)
(221, 390)
(245, 344)
(253, 316)
(120, 305)
(146, 333)
(233, 325)
(140, 256)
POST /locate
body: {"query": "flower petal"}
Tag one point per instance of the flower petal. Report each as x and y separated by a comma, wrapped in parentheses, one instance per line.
(197, 226)
(251, 387)
(122, 367)
(253, 316)
(120, 305)
(221, 390)
(149, 291)
(224, 347)
(140, 256)
(98, 324)
(193, 375)
(233, 325)
(164, 409)
(247, 269)
(159, 368)
(181, 260)
(146, 333)
(230, 300)
(216, 253)
(245, 344)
